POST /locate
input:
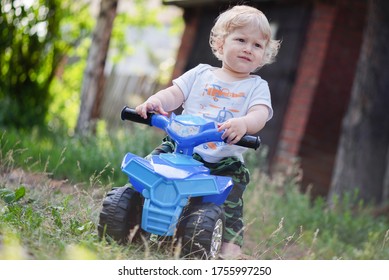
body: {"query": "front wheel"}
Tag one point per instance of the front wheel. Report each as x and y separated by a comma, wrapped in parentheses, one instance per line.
(201, 231)
(120, 216)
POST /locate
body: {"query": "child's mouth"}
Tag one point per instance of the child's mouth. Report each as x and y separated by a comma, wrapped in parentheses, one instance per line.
(245, 58)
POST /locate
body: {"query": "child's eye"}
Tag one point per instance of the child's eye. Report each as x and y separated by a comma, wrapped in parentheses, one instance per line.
(258, 46)
(240, 40)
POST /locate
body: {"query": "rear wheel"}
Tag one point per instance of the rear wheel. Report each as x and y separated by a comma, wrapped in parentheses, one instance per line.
(120, 216)
(201, 231)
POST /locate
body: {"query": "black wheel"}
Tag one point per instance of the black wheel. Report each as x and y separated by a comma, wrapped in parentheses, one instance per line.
(201, 231)
(120, 216)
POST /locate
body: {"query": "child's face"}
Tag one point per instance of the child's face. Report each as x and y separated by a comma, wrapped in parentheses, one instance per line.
(243, 50)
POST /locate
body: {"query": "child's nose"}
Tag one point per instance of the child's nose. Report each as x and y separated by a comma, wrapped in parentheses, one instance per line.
(248, 48)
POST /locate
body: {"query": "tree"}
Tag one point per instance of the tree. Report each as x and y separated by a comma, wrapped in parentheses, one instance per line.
(94, 79)
(140, 14)
(33, 41)
(362, 163)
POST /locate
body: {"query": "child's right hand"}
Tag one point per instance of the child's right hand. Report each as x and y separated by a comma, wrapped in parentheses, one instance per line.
(152, 104)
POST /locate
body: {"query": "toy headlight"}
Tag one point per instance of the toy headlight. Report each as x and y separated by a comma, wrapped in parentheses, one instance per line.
(187, 125)
(184, 129)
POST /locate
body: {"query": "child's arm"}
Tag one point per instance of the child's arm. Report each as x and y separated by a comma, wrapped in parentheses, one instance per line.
(162, 102)
(236, 128)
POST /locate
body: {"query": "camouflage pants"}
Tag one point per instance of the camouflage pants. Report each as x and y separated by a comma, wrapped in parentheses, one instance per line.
(233, 206)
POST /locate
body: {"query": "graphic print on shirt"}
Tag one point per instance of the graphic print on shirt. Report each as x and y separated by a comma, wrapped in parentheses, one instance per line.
(217, 92)
(216, 111)
(223, 114)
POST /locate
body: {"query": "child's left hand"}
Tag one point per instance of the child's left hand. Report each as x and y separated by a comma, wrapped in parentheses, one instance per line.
(234, 130)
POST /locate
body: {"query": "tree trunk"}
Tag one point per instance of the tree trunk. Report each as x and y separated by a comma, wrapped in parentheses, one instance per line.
(362, 160)
(94, 80)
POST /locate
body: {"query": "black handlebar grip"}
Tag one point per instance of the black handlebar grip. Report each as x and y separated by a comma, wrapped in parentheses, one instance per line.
(131, 115)
(249, 141)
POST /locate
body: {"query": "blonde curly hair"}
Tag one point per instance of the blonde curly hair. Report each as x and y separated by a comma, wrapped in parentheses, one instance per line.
(238, 17)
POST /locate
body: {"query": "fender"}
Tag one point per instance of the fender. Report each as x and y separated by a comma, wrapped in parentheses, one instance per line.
(167, 182)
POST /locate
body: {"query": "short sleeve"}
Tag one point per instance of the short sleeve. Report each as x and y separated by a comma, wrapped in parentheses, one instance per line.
(261, 96)
(185, 81)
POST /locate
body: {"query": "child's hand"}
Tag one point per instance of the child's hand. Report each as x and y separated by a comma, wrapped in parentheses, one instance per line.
(234, 130)
(150, 105)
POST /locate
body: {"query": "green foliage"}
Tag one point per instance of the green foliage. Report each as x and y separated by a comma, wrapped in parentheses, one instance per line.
(34, 39)
(65, 88)
(10, 196)
(140, 17)
(65, 105)
(43, 51)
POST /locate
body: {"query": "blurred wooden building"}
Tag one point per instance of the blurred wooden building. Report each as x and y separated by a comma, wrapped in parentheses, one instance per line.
(310, 81)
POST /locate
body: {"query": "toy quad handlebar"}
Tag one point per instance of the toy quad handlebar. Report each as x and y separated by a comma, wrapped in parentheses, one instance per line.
(131, 115)
(162, 122)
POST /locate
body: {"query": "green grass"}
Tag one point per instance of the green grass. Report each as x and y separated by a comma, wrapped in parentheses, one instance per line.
(54, 214)
(89, 159)
(287, 224)
(46, 224)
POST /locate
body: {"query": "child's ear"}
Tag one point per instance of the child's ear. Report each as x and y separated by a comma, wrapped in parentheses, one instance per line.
(220, 47)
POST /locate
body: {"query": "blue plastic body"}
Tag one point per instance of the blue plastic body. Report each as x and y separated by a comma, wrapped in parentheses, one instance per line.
(168, 181)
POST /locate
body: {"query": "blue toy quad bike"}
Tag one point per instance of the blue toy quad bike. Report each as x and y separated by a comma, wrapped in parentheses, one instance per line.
(172, 194)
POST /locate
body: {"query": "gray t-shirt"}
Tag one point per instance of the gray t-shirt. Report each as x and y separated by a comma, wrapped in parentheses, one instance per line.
(216, 100)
